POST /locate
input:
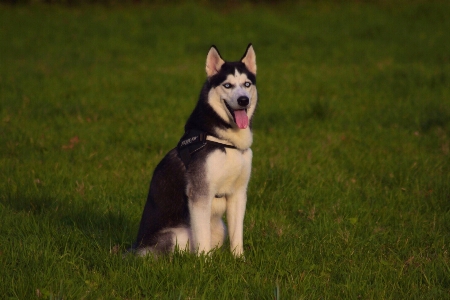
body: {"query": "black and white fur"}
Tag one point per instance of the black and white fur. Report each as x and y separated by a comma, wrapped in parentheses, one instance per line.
(185, 204)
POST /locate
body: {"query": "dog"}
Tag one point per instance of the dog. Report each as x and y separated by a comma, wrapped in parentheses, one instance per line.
(208, 172)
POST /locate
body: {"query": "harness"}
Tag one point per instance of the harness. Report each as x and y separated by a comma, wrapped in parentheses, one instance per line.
(194, 140)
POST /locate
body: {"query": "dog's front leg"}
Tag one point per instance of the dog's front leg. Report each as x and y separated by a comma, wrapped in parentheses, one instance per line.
(235, 219)
(200, 217)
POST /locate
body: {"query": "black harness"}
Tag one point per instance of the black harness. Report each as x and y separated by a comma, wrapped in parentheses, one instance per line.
(193, 141)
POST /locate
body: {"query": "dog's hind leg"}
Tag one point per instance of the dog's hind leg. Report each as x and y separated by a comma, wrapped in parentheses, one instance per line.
(218, 232)
(182, 237)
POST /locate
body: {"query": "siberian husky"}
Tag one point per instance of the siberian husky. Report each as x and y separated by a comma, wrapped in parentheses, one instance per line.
(207, 173)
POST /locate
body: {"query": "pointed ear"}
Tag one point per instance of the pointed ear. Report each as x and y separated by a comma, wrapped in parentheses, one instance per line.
(213, 61)
(249, 59)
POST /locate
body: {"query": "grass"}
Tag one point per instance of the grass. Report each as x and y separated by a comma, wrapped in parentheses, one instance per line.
(350, 190)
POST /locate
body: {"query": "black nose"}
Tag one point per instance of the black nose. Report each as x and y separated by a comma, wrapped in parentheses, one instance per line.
(243, 101)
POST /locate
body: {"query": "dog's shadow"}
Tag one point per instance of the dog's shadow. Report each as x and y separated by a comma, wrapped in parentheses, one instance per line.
(108, 226)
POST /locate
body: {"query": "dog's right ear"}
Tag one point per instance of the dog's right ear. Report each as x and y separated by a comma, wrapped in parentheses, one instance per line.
(249, 59)
(213, 61)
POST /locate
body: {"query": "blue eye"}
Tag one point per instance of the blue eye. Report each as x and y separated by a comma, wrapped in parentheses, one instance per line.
(227, 85)
(247, 84)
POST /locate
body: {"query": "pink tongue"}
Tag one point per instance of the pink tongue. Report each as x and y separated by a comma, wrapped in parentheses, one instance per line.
(241, 118)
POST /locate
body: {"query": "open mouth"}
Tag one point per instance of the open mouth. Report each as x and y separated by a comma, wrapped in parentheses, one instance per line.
(239, 116)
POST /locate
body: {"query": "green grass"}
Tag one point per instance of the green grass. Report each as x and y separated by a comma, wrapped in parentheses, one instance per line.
(350, 191)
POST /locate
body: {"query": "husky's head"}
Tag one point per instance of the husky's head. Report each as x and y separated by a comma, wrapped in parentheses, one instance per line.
(233, 94)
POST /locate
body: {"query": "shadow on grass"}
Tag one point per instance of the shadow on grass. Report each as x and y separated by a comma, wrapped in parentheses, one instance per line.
(107, 224)
(434, 116)
(319, 110)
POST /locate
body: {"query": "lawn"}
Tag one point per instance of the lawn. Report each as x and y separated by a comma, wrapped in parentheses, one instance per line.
(350, 190)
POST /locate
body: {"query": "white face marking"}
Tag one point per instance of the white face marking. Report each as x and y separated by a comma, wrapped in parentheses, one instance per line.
(235, 85)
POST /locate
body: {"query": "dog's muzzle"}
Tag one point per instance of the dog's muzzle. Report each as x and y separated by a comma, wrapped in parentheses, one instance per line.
(240, 115)
(243, 101)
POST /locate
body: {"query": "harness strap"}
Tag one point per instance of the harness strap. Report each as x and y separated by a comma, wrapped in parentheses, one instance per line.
(193, 141)
(213, 140)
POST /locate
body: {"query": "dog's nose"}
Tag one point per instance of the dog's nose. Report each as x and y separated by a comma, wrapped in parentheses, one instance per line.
(243, 101)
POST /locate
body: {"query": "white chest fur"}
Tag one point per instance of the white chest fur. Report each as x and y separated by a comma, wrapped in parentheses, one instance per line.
(229, 171)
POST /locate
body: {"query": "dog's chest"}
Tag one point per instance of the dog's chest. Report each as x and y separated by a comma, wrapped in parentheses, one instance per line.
(229, 170)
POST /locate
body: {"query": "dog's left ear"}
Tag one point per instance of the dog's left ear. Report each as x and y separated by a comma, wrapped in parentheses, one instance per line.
(213, 62)
(249, 59)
